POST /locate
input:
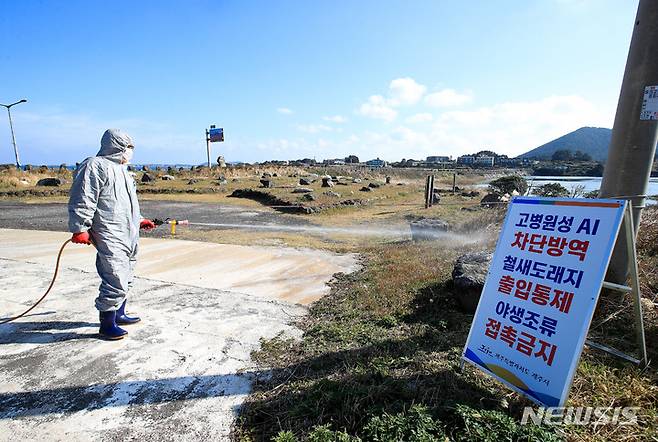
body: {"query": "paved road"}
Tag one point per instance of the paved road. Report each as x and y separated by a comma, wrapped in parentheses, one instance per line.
(54, 216)
(181, 374)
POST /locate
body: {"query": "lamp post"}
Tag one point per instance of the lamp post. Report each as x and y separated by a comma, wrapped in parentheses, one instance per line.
(11, 127)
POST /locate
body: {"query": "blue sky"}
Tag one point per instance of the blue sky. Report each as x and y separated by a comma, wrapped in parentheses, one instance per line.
(291, 79)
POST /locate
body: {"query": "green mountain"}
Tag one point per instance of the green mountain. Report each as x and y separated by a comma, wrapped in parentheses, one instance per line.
(590, 140)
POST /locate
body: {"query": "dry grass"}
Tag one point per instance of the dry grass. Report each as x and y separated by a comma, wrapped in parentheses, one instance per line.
(13, 179)
(391, 336)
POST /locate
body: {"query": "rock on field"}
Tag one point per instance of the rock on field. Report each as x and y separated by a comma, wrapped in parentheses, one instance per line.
(468, 278)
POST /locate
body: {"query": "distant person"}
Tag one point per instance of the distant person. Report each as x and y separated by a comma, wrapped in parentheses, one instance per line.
(103, 210)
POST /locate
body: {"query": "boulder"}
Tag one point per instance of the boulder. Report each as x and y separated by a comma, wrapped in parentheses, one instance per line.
(192, 181)
(146, 178)
(167, 178)
(302, 190)
(425, 229)
(305, 181)
(268, 184)
(145, 169)
(308, 197)
(468, 276)
(436, 196)
(374, 185)
(356, 180)
(332, 193)
(63, 167)
(366, 189)
(49, 182)
(471, 194)
(388, 180)
(327, 182)
(494, 200)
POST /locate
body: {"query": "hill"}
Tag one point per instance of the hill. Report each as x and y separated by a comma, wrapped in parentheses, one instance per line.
(590, 140)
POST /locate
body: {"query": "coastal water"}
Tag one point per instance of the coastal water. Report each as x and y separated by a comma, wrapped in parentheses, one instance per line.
(575, 182)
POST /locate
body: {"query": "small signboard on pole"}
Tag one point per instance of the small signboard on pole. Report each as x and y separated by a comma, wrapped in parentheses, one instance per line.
(213, 135)
(541, 291)
(216, 135)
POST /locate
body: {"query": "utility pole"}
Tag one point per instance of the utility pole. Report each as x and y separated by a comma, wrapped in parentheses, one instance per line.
(11, 127)
(634, 134)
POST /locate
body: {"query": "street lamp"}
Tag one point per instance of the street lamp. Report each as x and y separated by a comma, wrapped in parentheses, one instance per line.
(11, 126)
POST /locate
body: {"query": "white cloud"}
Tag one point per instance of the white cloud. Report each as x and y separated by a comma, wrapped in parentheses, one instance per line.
(508, 128)
(377, 107)
(314, 128)
(405, 92)
(515, 127)
(422, 117)
(448, 98)
(335, 119)
(401, 92)
(284, 111)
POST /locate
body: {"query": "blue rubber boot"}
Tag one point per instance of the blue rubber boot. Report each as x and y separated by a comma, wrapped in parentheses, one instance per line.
(122, 319)
(109, 329)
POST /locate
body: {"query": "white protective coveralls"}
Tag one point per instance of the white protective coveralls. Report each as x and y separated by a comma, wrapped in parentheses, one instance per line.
(103, 201)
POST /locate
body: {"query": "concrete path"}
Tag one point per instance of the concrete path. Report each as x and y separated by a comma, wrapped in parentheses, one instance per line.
(181, 374)
(292, 275)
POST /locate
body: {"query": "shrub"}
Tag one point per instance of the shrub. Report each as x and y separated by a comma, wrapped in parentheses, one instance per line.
(508, 184)
(285, 436)
(414, 425)
(493, 426)
(552, 190)
(323, 433)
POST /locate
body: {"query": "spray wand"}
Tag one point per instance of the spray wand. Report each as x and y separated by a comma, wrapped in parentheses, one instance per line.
(172, 222)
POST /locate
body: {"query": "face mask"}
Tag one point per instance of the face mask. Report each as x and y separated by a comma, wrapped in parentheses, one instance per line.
(128, 155)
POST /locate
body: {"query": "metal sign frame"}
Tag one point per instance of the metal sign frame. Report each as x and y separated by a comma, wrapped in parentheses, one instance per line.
(633, 289)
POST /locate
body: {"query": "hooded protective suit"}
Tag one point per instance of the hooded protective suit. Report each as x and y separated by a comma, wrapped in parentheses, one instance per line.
(103, 201)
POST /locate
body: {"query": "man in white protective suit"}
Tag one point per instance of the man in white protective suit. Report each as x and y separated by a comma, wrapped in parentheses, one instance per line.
(104, 211)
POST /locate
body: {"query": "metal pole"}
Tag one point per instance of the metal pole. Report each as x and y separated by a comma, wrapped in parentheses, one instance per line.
(208, 147)
(635, 283)
(633, 143)
(11, 127)
(13, 139)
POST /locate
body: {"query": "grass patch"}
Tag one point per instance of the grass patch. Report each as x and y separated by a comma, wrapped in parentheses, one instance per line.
(379, 361)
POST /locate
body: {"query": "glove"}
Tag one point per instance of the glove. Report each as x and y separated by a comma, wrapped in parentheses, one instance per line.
(146, 224)
(81, 238)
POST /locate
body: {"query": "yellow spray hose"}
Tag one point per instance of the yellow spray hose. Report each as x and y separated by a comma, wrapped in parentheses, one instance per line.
(52, 282)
